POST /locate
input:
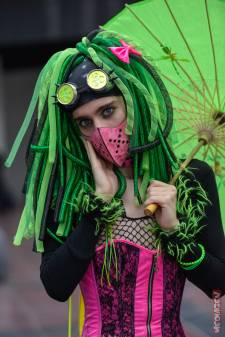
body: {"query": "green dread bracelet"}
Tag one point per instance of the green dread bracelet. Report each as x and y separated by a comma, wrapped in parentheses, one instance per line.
(193, 264)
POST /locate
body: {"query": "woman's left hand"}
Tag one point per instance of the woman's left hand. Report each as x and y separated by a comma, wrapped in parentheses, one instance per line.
(165, 195)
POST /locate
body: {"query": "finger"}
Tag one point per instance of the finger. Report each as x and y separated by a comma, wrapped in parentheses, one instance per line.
(161, 185)
(95, 161)
(161, 195)
(162, 199)
(166, 194)
(155, 200)
(161, 190)
(158, 183)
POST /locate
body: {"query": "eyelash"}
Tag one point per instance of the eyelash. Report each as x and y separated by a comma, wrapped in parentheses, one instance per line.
(102, 113)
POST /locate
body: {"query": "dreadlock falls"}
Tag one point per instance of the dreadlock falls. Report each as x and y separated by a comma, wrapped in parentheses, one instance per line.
(59, 175)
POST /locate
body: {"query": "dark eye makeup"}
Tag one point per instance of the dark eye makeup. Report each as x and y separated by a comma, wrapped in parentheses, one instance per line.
(84, 123)
(105, 113)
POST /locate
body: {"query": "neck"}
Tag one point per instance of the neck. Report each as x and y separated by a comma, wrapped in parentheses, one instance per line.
(132, 207)
(127, 172)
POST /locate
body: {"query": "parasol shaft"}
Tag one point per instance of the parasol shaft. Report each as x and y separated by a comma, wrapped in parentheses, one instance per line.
(152, 208)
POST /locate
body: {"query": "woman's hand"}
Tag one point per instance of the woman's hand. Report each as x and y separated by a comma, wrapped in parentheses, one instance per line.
(165, 195)
(106, 183)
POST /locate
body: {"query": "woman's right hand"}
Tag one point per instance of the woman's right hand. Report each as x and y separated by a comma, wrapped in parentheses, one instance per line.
(106, 182)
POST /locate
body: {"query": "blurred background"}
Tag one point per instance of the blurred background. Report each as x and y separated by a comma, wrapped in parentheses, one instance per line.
(30, 32)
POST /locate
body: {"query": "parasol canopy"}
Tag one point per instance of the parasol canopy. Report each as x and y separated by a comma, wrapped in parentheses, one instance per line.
(185, 41)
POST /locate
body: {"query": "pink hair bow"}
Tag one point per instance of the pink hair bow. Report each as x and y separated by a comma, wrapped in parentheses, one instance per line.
(123, 52)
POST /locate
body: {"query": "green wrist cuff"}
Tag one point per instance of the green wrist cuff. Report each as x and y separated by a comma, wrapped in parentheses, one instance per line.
(108, 211)
(171, 230)
(178, 242)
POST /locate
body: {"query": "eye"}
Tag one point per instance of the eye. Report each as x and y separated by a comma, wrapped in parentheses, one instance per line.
(107, 112)
(85, 123)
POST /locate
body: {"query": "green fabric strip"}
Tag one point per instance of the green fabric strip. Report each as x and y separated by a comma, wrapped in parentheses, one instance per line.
(26, 224)
(25, 124)
(51, 101)
(41, 205)
(29, 113)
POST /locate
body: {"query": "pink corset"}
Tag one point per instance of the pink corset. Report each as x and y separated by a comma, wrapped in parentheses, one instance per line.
(143, 302)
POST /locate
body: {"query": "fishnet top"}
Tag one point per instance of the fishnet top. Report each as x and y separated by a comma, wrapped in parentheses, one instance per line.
(135, 230)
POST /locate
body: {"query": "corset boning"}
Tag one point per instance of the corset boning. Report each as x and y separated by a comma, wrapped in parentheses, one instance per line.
(143, 301)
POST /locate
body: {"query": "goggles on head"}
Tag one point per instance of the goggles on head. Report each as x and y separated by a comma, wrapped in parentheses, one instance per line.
(96, 82)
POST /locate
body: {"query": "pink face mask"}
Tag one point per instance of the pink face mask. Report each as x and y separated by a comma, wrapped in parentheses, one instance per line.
(112, 144)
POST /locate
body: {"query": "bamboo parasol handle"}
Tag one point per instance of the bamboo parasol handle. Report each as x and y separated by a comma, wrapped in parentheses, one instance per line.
(152, 208)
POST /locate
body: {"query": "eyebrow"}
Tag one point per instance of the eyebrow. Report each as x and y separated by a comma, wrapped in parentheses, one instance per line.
(101, 107)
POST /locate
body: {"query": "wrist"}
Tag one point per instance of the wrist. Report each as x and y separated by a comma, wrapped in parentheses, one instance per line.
(172, 229)
(104, 196)
(176, 242)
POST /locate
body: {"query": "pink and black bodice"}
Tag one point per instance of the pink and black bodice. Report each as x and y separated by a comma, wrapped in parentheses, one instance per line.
(145, 299)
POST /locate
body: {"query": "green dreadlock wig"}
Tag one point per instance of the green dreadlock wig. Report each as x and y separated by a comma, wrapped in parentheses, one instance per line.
(58, 168)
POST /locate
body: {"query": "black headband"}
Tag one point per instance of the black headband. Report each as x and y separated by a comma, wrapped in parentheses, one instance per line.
(85, 83)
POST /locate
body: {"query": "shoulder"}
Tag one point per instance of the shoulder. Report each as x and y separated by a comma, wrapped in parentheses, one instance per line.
(199, 178)
(201, 171)
(200, 165)
(201, 175)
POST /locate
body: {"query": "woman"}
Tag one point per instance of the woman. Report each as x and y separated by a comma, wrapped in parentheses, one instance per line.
(98, 156)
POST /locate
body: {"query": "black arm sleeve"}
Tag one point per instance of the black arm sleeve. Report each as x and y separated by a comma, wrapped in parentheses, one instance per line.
(210, 274)
(63, 265)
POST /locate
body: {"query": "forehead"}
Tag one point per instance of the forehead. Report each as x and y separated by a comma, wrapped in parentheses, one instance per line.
(93, 106)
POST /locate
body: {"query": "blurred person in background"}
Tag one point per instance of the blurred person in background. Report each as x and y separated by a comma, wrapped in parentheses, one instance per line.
(4, 256)
(6, 199)
(99, 154)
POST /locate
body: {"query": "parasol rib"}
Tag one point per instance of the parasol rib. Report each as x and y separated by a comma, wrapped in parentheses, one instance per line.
(185, 141)
(223, 104)
(190, 123)
(144, 25)
(182, 99)
(183, 129)
(185, 91)
(218, 151)
(203, 112)
(185, 123)
(213, 51)
(194, 83)
(188, 47)
(205, 152)
(185, 110)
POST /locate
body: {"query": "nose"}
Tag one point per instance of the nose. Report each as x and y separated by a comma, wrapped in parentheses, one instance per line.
(98, 123)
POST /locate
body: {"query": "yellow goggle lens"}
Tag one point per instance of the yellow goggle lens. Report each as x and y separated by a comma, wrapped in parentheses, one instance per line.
(97, 79)
(66, 93)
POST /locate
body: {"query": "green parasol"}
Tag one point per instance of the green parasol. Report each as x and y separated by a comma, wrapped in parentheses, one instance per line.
(185, 41)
